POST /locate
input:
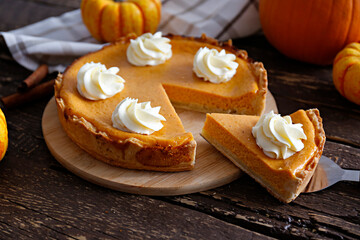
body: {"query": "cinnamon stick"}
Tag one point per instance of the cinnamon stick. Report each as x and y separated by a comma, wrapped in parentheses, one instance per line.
(34, 93)
(34, 78)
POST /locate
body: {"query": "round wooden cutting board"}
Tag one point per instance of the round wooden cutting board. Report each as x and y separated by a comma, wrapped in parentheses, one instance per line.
(211, 170)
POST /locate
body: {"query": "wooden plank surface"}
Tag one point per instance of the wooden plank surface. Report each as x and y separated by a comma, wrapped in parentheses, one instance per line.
(41, 199)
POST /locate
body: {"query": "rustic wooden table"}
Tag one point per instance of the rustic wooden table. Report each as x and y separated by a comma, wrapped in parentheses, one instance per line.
(41, 199)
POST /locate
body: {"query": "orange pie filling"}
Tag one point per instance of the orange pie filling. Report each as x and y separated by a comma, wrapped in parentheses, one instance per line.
(89, 123)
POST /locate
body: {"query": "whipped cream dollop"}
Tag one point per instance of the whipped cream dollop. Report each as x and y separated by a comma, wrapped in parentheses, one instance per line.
(95, 81)
(131, 116)
(149, 49)
(278, 136)
(214, 66)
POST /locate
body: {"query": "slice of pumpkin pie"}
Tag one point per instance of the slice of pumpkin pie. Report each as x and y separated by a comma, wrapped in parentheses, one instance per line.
(281, 153)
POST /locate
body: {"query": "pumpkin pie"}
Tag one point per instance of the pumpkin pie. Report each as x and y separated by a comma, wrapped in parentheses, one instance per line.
(283, 178)
(173, 83)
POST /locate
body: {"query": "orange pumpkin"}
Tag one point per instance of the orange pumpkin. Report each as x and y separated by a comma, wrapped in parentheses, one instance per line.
(3, 135)
(107, 20)
(346, 72)
(313, 31)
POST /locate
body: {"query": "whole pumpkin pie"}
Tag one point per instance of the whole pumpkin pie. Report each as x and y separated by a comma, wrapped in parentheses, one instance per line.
(284, 178)
(89, 123)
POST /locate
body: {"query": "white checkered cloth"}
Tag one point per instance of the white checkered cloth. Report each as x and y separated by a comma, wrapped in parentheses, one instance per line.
(57, 41)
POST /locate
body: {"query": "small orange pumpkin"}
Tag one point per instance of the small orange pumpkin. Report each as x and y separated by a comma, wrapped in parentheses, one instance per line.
(313, 31)
(3, 135)
(107, 20)
(346, 72)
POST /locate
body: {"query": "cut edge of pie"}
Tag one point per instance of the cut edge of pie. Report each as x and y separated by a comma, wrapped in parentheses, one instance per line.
(255, 104)
(294, 185)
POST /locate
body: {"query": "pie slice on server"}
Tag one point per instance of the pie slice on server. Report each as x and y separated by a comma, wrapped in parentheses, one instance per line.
(284, 178)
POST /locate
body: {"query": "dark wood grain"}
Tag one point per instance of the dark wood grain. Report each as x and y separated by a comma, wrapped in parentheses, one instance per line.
(19, 13)
(112, 215)
(39, 199)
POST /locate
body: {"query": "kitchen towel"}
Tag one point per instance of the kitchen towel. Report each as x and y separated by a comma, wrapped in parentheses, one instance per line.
(57, 41)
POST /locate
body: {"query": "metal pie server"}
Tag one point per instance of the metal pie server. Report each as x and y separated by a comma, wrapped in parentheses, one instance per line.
(328, 173)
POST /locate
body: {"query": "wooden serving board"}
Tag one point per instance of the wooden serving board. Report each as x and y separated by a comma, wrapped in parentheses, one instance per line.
(211, 170)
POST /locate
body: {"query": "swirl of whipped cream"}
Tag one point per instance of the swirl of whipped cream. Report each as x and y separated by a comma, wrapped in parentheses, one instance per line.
(95, 82)
(149, 50)
(278, 136)
(214, 66)
(131, 116)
